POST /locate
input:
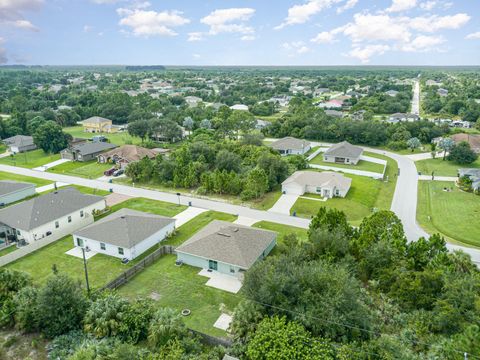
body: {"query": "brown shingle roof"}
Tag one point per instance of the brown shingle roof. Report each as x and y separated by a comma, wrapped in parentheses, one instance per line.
(130, 153)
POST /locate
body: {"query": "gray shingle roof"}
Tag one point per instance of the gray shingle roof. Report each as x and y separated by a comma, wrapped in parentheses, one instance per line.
(320, 179)
(344, 149)
(229, 243)
(46, 208)
(125, 228)
(88, 148)
(95, 119)
(8, 187)
(19, 140)
(289, 142)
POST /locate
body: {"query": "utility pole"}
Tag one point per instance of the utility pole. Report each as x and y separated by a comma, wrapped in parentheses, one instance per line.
(86, 271)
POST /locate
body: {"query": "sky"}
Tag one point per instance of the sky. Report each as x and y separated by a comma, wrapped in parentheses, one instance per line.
(234, 32)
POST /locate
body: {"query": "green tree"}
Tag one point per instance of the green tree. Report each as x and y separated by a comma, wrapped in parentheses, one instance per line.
(26, 310)
(61, 306)
(11, 281)
(256, 184)
(277, 339)
(104, 316)
(140, 128)
(167, 324)
(462, 154)
(413, 143)
(50, 138)
(446, 144)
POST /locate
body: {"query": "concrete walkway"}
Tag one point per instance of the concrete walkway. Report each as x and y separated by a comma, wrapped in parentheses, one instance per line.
(348, 171)
(48, 187)
(284, 204)
(187, 215)
(242, 220)
(50, 165)
(437, 178)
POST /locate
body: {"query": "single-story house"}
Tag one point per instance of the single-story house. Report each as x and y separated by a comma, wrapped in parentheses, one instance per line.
(391, 93)
(57, 214)
(98, 124)
(328, 184)
(227, 248)
(331, 104)
(193, 101)
(239, 107)
(291, 146)
(19, 143)
(334, 113)
(473, 174)
(442, 92)
(260, 124)
(11, 191)
(343, 153)
(86, 151)
(126, 154)
(397, 117)
(461, 124)
(125, 234)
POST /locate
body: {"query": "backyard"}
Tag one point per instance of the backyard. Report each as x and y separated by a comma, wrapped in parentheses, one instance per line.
(452, 213)
(119, 138)
(442, 167)
(362, 164)
(89, 170)
(30, 159)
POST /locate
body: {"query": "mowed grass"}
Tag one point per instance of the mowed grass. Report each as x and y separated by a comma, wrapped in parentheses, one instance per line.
(455, 214)
(151, 206)
(16, 177)
(361, 165)
(442, 167)
(180, 287)
(30, 159)
(119, 138)
(266, 201)
(89, 170)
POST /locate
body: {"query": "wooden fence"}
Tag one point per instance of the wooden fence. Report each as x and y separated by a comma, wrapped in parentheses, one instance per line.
(125, 277)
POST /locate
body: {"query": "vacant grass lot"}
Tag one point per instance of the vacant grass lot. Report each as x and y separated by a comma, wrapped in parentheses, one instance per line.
(362, 165)
(30, 159)
(180, 287)
(120, 138)
(266, 201)
(150, 206)
(442, 167)
(454, 214)
(16, 177)
(89, 170)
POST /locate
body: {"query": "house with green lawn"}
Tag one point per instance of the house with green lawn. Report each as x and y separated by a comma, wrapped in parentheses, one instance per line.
(227, 248)
(327, 184)
(343, 153)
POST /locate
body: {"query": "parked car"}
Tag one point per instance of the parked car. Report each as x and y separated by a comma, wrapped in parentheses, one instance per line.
(118, 172)
(109, 172)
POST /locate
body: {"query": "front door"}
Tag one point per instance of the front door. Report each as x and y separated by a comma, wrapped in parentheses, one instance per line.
(212, 265)
(79, 242)
(326, 193)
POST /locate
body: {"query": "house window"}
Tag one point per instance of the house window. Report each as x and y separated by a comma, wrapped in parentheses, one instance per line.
(18, 232)
(79, 242)
(212, 265)
(337, 192)
(102, 246)
(69, 219)
(81, 213)
(319, 189)
(120, 251)
(347, 160)
(57, 225)
(232, 269)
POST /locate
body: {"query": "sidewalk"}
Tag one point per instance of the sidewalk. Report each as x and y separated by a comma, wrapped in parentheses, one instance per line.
(50, 165)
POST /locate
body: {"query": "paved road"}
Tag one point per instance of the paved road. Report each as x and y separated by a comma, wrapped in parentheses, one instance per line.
(162, 196)
(416, 98)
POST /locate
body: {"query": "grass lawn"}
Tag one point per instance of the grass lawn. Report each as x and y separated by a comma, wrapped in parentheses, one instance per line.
(311, 151)
(89, 170)
(385, 195)
(362, 165)
(120, 138)
(267, 201)
(16, 177)
(150, 206)
(180, 287)
(101, 268)
(30, 159)
(7, 250)
(442, 167)
(454, 214)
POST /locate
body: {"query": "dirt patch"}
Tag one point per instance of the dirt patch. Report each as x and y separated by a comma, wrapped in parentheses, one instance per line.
(115, 198)
(17, 346)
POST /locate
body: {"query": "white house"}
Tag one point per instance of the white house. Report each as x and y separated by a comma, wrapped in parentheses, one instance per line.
(328, 184)
(291, 146)
(19, 143)
(55, 214)
(239, 107)
(124, 234)
(227, 248)
(343, 153)
(11, 191)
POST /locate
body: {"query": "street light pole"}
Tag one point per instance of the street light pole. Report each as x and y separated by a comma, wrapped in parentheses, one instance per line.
(86, 271)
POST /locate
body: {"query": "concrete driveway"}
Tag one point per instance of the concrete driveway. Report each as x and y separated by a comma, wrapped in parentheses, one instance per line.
(52, 164)
(187, 215)
(246, 221)
(437, 178)
(284, 204)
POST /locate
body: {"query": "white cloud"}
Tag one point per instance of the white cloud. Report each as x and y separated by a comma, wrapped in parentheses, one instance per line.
(365, 53)
(301, 13)
(473, 36)
(347, 6)
(196, 56)
(87, 28)
(295, 47)
(423, 43)
(367, 27)
(428, 5)
(231, 20)
(248, 38)
(151, 23)
(324, 37)
(195, 36)
(11, 13)
(435, 23)
(402, 5)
